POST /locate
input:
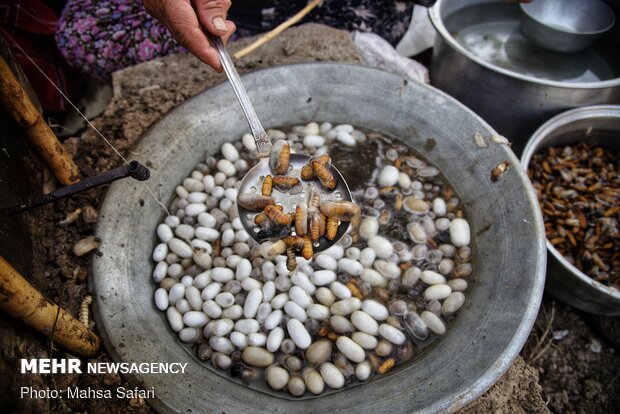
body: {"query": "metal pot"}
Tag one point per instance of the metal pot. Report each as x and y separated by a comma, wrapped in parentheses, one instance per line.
(513, 84)
(507, 232)
(566, 26)
(598, 125)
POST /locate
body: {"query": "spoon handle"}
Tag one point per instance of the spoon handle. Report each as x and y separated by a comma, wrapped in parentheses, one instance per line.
(263, 143)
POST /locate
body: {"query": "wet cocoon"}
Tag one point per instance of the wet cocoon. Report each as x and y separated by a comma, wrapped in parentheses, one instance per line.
(298, 333)
(350, 349)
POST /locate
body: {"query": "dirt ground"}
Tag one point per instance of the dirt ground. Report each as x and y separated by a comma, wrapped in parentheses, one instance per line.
(566, 366)
(577, 362)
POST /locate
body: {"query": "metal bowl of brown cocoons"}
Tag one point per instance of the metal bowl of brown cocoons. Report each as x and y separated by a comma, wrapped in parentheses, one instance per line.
(507, 240)
(597, 126)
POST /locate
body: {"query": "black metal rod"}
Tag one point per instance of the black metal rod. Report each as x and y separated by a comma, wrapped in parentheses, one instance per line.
(134, 169)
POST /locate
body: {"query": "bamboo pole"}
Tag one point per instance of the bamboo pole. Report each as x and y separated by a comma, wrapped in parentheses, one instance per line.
(277, 30)
(23, 301)
(23, 111)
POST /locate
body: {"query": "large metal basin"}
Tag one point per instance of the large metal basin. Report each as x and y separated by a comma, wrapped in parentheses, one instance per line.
(509, 242)
(510, 82)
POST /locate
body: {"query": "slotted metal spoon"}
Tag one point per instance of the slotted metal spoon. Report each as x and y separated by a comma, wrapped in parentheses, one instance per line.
(252, 181)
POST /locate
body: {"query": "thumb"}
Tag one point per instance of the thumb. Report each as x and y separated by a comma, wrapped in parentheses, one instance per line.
(212, 15)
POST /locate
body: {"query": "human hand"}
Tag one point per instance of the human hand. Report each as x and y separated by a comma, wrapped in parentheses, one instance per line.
(186, 21)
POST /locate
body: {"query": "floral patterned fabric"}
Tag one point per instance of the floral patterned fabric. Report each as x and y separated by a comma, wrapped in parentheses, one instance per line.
(98, 37)
(387, 18)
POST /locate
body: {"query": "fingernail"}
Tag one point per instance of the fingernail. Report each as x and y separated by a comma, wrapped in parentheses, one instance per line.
(219, 24)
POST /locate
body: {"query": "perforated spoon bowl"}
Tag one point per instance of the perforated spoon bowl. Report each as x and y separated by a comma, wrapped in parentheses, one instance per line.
(252, 181)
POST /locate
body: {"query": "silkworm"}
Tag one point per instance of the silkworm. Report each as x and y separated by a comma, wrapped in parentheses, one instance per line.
(284, 183)
(499, 170)
(86, 245)
(261, 217)
(267, 186)
(325, 176)
(84, 310)
(308, 173)
(277, 216)
(280, 157)
(291, 260)
(301, 219)
(341, 210)
(479, 140)
(296, 242)
(255, 202)
(314, 223)
(307, 251)
(314, 198)
(71, 217)
(387, 365)
(354, 290)
(331, 228)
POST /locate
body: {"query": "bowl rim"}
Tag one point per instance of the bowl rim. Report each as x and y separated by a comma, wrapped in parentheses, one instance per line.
(526, 8)
(437, 21)
(532, 147)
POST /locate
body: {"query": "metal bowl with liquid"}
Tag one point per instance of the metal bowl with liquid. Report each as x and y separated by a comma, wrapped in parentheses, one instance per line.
(566, 26)
(482, 58)
(507, 240)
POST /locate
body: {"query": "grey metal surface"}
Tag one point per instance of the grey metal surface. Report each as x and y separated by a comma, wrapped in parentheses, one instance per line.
(263, 143)
(253, 178)
(564, 280)
(483, 60)
(566, 26)
(252, 182)
(507, 232)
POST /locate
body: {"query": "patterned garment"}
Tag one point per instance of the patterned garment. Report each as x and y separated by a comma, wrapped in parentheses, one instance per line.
(98, 37)
(388, 18)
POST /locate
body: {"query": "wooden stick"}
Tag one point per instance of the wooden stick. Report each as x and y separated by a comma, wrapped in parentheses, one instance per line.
(23, 301)
(276, 31)
(23, 111)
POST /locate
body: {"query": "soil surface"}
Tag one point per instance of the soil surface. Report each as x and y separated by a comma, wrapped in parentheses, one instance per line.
(578, 366)
(566, 365)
